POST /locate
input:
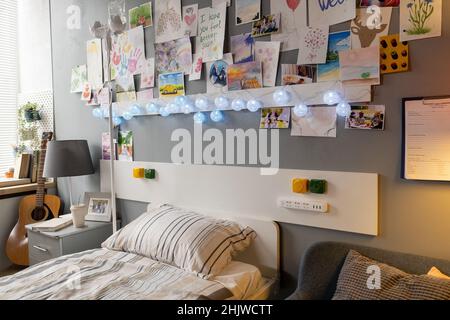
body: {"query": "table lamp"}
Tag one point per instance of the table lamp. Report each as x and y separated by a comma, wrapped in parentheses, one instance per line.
(67, 159)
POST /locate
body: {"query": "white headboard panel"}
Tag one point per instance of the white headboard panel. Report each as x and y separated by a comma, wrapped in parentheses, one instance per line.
(243, 191)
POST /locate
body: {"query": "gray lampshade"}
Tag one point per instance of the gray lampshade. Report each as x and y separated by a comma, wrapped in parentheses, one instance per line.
(68, 159)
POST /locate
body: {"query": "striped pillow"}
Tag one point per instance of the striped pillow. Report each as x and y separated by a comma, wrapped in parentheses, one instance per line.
(184, 239)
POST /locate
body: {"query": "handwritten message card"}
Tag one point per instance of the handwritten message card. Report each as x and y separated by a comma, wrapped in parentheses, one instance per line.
(211, 32)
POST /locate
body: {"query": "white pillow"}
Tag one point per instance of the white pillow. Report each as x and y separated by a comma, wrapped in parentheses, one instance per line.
(184, 239)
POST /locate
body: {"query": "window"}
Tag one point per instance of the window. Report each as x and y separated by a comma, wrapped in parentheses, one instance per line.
(8, 83)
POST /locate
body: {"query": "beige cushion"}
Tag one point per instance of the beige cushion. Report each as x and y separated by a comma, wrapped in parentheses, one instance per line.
(435, 272)
(395, 284)
(184, 239)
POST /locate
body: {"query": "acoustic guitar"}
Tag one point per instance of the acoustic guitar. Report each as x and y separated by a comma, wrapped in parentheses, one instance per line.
(32, 209)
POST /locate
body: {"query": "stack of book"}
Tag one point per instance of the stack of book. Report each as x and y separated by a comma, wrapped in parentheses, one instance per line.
(27, 166)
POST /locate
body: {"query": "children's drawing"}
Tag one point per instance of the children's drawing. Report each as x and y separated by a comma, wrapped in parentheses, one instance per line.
(420, 19)
(171, 85)
(141, 16)
(337, 42)
(128, 53)
(243, 48)
(360, 66)
(124, 84)
(329, 12)
(320, 122)
(366, 31)
(145, 95)
(79, 78)
(126, 96)
(211, 32)
(217, 81)
(87, 92)
(268, 53)
(174, 56)
(168, 20)
(95, 63)
(197, 67)
(148, 74)
(190, 20)
(245, 76)
(247, 11)
(313, 44)
(293, 19)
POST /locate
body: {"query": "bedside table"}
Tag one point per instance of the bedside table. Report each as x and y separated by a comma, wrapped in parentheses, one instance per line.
(43, 246)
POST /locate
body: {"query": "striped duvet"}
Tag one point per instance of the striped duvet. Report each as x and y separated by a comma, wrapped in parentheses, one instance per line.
(108, 275)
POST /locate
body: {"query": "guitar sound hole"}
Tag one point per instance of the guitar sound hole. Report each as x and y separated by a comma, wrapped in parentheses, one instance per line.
(39, 214)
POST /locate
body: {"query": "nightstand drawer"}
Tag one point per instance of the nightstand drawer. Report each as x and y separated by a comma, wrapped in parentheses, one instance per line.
(42, 248)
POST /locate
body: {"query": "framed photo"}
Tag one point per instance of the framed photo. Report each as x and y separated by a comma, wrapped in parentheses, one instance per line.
(99, 207)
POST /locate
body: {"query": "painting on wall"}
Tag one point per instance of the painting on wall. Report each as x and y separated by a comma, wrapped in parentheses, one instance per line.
(87, 92)
(148, 74)
(360, 66)
(104, 96)
(197, 67)
(366, 118)
(293, 74)
(128, 96)
(268, 25)
(125, 146)
(326, 12)
(171, 85)
(337, 42)
(367, 30)
(128, 53)
(211, 32)
(174, 56)
(95, 63)
(141, 16)
(78, 79)
(145, 95)
(247, 11)
(217, 74)
(124, 84)
(320, 122)
(293, 18)
(168, 20)
(245, 76)
(190, 20)
(243, 48)
(275, 118)
(420, 19)
(268, 53)
(314, 44)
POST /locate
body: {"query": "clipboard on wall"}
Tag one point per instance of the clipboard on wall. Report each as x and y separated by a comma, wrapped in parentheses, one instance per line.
(426, 139)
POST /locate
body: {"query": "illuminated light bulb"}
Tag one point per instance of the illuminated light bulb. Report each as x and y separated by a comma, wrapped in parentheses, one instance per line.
(164, 112)
(187, 108)
(332, 98)
(199, 118)
(97, 113)
(222, 102)
(343, 109)
(254, 105)
(202, 103)
(301, 110)
(282, 97)
(152, 108)
(117, 121)
(136, 110)
(127, 116)
(216, 116)
(173, 107)
(238, 104)
(181, 100)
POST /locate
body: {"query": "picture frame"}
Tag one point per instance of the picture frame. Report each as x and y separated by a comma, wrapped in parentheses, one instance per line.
(98, 206)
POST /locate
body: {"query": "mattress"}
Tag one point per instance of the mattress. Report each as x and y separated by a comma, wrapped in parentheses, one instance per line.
(111, 275)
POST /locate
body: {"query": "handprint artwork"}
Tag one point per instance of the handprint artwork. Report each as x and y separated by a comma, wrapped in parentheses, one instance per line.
(128, 53)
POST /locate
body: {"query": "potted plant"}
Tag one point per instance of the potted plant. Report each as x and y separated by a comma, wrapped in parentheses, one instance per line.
(31, 112)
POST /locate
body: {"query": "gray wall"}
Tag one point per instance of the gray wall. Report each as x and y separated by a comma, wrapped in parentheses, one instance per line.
(415, 216)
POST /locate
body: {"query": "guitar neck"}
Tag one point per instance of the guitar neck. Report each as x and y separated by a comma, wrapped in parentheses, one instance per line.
(40, 193)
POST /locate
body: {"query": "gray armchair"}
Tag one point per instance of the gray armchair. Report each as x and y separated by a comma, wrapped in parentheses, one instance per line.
(322, 263)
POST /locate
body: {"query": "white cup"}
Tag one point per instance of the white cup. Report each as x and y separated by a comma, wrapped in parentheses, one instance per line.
(78, 215)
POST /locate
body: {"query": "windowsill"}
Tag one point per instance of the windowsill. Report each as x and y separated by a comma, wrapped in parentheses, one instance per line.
(25, 188)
